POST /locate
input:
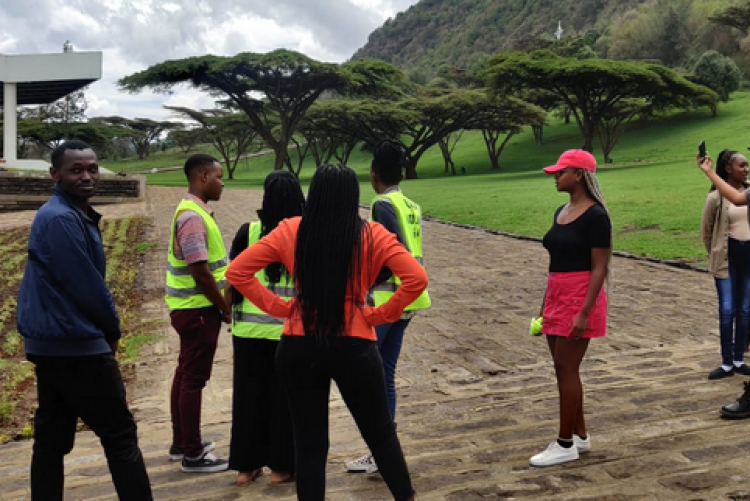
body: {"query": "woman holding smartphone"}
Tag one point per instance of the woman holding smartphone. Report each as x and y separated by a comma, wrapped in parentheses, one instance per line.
(726, 236)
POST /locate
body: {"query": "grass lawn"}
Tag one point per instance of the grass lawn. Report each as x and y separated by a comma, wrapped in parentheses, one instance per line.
(654, 191)
(158, 160)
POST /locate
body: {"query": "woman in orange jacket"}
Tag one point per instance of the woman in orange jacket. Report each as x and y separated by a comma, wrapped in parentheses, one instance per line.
(329, 334)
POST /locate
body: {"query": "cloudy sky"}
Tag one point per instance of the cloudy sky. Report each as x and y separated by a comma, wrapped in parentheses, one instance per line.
(134, 34)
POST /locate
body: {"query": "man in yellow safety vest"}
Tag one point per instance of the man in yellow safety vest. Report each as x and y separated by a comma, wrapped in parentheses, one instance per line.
(196, 264)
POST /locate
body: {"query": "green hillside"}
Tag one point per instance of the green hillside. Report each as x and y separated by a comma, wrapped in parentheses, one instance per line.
(432, 33)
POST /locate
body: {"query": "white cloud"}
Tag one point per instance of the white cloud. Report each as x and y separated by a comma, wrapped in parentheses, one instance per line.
(8, 42)
(97, 107)
(134, 34)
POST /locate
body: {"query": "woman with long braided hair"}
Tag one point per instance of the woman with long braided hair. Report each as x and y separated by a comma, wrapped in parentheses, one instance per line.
(328, 333)
(575, 303)
(261, 425)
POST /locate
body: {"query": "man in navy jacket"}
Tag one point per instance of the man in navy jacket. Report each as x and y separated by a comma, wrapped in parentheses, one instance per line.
(71, 331)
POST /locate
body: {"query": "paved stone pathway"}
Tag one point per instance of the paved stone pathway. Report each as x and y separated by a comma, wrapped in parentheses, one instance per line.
(477, 395)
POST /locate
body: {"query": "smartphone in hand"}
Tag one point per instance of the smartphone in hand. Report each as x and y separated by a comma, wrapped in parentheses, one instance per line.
(702, 149)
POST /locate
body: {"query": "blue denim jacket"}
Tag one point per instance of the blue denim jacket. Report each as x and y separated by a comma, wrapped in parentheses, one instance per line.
(64, 305)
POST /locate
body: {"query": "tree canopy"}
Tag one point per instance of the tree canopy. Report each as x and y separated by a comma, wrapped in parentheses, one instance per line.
(592, 87)
(422, 121)
(718, 73)
(274, 89)
(231, 133)
(734, 16)
(141, 132)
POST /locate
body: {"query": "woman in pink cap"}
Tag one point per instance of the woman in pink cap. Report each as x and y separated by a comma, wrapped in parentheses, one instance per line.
(575, 303)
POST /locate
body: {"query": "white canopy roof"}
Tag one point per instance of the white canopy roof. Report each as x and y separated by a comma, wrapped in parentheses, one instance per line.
(44, 78)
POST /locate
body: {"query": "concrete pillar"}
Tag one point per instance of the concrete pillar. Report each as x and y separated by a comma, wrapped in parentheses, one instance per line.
(10, 122)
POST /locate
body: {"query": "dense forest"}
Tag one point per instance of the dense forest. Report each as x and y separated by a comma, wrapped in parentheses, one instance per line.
(433, 33)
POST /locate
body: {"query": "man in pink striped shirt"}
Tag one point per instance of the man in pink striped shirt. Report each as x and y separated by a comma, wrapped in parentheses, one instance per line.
(198, 327)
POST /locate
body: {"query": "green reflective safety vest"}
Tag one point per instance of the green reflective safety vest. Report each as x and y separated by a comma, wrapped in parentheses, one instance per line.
(181, 291)
(409, 216)
(249, 321)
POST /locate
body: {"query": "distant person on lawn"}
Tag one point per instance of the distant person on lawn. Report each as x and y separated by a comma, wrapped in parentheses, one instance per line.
(71, 330)
(195, 280)
(726, 237)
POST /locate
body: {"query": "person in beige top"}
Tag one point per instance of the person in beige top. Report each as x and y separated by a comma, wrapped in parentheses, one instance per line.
(726, 236)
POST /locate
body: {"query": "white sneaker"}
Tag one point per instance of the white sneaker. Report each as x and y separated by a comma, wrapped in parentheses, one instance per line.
(554, 454)
(365, 464)
(581, 444)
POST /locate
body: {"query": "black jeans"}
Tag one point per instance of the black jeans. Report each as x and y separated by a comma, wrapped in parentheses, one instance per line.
(90, 388)
(261, 425)
(306, 367)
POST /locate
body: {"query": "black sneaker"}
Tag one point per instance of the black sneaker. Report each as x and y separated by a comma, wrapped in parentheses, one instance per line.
(207, 463)
(177, 452)
(720, 373)
(742, 369)
(739, 409)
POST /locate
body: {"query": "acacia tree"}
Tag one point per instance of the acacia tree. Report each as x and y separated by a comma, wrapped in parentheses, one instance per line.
(609, 129)
(548, 102)
(188, 139)
(231, 133)
(672, 96)
(433, 118)
(590, 88)
(447, 145)
(318, 142)
(330, 131)
(141, 132)
(368, 121)
(735, 16)
(417, 123)
(274, 90)
(500, 120)
(45, 136)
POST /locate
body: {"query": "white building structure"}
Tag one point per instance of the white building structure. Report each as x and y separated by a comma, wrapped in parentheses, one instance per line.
(40, 79)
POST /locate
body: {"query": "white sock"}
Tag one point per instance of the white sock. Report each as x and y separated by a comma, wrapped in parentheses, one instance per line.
(727, 368)
(738, 363)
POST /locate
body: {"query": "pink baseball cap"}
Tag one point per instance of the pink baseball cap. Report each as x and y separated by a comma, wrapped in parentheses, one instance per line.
(579, 159)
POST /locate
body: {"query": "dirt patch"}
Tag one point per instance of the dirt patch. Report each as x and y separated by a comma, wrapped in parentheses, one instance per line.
(123, 241)
(642, 229)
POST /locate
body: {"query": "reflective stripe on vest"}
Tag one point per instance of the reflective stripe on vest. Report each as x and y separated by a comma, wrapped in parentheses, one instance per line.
(181, 291)
(192, 291)
(409, 217)
(249, 321)
(182, 271)
(250, 318)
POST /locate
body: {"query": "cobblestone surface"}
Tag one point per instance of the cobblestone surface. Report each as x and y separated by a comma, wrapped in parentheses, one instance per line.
(477, 395)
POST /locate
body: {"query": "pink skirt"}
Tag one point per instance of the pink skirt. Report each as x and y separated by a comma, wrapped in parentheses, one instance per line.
(565, 295)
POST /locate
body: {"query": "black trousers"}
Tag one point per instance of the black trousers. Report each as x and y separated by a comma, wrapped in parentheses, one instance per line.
(306, 367)
(261, 425)
(90, 388)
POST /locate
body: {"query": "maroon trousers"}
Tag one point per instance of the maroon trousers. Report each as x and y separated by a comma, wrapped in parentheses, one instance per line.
(199, 335)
